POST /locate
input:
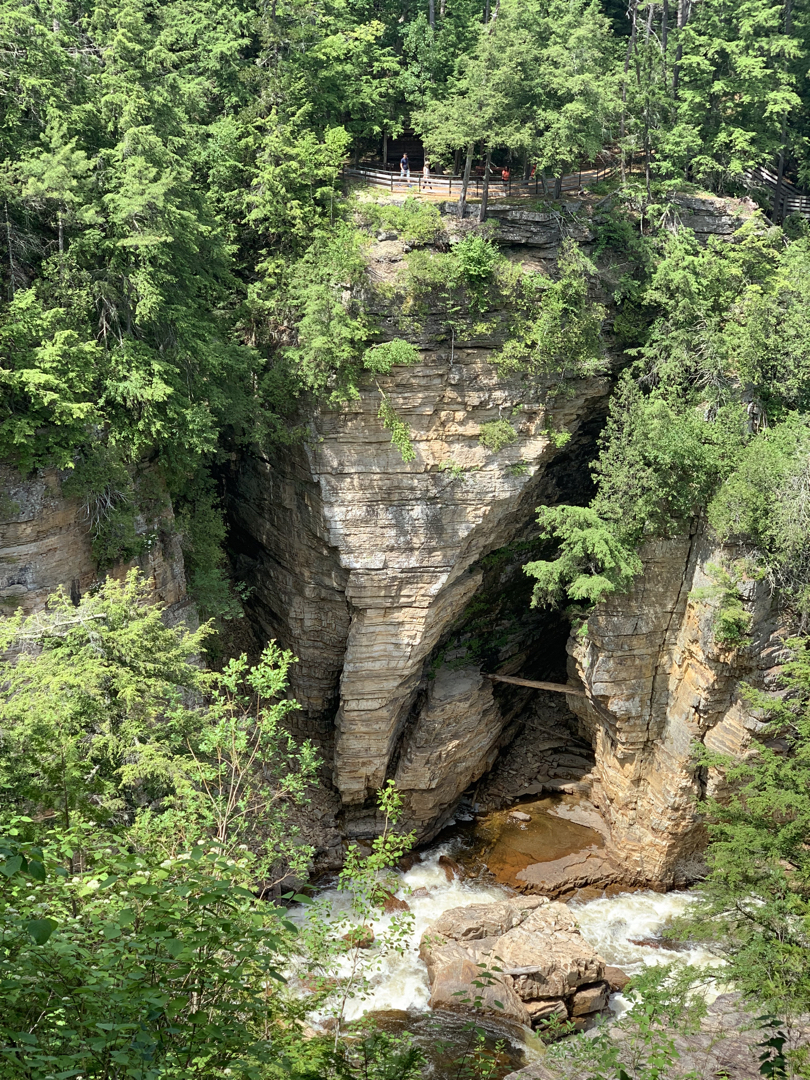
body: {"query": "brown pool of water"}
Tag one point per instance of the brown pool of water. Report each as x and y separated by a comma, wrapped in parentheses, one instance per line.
(508, 847)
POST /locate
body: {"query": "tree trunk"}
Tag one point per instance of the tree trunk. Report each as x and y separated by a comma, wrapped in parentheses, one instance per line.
(482, 214)
(780, 175)
(486, 12)
(456, 161)
(631, 44)
(462, 202)
(385, 148)
(10, 254)
(441, 8)
(684, 9)
(647, 124)
(526, 167)
(558, 181)
(664, 35)
(432, 14)
(778, 215)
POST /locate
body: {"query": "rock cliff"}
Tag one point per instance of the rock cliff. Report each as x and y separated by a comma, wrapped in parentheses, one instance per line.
(46, 542)
(361, 562)
(376, 572)
(658, 681)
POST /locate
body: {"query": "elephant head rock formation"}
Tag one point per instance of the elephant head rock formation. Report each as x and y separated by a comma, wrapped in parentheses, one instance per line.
(362, 564)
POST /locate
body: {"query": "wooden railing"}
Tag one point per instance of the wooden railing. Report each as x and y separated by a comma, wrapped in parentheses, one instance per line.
(791, 200)
(451, 186)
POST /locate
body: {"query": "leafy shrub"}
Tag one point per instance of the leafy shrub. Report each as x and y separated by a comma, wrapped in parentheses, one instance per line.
(475, 260)
(764, 504)
(381, 358)
(496, 434)
(331, 330)
(400, 432)
(105, 487)
(129, 962)
(732, 622)
(201, 524)
(562, 331)
(415, 221)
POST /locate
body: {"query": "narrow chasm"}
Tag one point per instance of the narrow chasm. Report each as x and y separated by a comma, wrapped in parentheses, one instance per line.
(475, 746)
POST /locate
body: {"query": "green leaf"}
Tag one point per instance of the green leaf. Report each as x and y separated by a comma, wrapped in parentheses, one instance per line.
(40, 929)
(11, 866)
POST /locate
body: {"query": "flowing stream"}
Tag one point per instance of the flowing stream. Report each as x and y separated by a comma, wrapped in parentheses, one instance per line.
(398, 991)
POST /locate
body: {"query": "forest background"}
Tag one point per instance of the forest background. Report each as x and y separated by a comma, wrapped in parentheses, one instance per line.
(177, 246)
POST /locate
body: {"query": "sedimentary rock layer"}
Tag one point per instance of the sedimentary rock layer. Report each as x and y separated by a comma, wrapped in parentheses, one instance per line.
(46, 542)
(360, 561)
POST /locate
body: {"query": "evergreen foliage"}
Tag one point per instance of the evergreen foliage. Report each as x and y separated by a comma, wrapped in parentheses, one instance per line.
(753, 907)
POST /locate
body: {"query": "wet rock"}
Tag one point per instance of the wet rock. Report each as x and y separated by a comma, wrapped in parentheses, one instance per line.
(451, 868)
(592, 866)
(409, 861)
(392, 903)
(518, 815)
(453, 987)
(616, 979)
(418, 894)
(590, 999)
(660, 943)
(536, 943)
(360, 937)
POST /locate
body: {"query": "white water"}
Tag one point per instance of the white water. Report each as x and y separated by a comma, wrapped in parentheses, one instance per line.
(401, 982)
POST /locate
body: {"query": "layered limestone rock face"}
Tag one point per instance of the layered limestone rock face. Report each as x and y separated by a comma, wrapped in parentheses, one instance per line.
(360, 562)
(658, 682)
(363, 564)
(545, 967)
(46, 542)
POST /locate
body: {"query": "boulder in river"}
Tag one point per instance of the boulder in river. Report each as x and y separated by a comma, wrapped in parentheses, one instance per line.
(451, 868)
(546, 966)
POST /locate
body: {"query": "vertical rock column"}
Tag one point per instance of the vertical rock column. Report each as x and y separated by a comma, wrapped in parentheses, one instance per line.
(360, 560)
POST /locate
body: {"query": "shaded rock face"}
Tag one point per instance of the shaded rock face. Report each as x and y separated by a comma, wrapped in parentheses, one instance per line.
(546, 967)
(657, 682)
(361, 562)
(45, 542)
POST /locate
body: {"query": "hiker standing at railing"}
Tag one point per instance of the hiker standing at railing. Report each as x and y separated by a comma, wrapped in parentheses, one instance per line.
(404, 166)
(426, 177)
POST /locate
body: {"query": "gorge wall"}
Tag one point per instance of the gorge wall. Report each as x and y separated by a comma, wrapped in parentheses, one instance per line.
(361, 562)
(369, 568)
(399, 585)
(657, 682)
(46, 543)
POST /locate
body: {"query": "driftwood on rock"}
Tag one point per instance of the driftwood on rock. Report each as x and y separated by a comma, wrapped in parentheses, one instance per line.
(559, 688)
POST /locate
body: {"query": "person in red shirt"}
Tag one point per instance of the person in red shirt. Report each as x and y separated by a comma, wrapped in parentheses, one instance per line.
(505, 176)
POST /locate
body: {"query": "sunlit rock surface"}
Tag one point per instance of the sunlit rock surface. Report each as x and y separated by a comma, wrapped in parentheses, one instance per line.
(546, 968)
(46, 541)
